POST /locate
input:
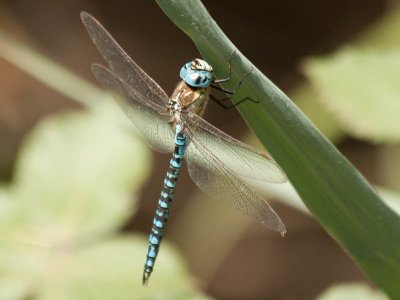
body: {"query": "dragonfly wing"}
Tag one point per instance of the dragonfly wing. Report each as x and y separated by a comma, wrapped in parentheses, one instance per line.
(218, 181)
(121, 64)
(151, 122)
(238, 157)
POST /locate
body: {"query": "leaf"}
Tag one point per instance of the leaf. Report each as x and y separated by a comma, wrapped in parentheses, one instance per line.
(75, 175)
(380, 38)
(18, 265)
(354, 291)
(332, 189)
(113, 270)
(65, 192)
(361, 89)
(73, 184)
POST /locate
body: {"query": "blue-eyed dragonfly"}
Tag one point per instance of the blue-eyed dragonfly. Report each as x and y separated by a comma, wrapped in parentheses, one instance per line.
(217, 163)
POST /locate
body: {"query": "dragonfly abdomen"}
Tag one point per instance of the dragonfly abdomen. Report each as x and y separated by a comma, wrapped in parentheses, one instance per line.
(164, 202)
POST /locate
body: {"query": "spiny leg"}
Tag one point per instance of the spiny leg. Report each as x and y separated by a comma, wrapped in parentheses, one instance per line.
(225, 106)
(230, 70)
(164, 203)
(220, 101)
(231, 92)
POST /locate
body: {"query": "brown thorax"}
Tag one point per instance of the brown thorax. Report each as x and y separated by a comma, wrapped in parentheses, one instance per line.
(190, 99)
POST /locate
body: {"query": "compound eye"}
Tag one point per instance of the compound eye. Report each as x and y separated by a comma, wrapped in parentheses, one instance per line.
(195, 77)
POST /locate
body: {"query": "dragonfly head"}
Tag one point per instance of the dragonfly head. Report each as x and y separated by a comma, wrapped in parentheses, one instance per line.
(197, 73)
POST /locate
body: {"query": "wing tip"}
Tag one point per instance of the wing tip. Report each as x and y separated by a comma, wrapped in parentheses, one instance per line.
(281, 228)
(283, 178)
(277, 226)
(89, 21)
(100, 72)
(85, 17)
(273, 221)
(97, 66)
(280, 174)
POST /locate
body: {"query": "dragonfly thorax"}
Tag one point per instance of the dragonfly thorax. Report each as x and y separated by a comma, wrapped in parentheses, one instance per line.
(197, 73)
(190, 99)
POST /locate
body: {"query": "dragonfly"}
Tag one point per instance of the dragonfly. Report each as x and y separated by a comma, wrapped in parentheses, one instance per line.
(217, 163)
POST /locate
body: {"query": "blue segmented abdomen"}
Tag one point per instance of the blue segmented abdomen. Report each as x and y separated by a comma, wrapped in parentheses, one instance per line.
(164, 202)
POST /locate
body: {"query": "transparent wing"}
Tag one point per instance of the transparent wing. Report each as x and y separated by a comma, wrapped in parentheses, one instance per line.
(218, 181)
(121, 64)
(151, 121)
(238, 157)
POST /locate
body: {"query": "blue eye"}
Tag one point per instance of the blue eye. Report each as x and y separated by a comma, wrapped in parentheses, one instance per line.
(195, 78)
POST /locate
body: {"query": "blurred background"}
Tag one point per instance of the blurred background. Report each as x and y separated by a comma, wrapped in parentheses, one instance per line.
(78, 192)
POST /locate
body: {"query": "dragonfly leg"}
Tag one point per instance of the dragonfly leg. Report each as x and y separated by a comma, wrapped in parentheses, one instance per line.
(225, 106)
(229, 77)
(230, 70)
(230, 92)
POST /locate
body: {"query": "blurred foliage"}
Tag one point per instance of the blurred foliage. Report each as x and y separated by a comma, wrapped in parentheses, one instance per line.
(365, 102)
(72, 170)
(356, 89)
(355, 291)
(72, 191)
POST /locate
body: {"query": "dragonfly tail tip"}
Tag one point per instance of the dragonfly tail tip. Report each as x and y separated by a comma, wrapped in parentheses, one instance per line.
(146, 277)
